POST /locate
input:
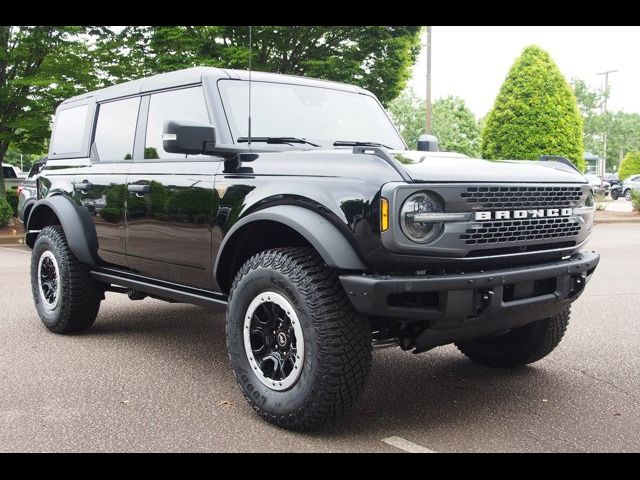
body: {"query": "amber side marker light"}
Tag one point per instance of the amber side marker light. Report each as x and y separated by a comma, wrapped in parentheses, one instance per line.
(384, 214)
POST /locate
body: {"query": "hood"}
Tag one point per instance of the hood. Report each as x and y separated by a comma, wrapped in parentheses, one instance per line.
(454, 167)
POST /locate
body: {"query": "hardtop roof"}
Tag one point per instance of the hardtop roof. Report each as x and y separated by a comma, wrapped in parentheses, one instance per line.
(194, 75)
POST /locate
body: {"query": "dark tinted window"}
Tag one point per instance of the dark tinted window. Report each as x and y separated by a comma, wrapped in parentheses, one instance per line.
(36, 168)
(9, 172)
(69, 130)
(116, 129)
(185, 104)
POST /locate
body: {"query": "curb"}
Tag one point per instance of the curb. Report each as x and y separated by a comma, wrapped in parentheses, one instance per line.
(12, 240)
(617, 220)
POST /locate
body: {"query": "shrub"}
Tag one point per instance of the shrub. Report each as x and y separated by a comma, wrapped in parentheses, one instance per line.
(12, 199)
(535, 113)
(635, 201)
(630, 165)
(5, 212)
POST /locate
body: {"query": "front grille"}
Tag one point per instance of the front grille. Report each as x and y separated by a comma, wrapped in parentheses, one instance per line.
(507, 231)
(522, 197)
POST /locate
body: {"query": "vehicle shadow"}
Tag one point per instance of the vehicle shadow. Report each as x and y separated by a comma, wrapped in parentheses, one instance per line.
(431, 391)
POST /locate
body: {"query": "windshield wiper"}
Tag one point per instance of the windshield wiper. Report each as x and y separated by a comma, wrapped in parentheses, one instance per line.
(353, 143)
(276, 140)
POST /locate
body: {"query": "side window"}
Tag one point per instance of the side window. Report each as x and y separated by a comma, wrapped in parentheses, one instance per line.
(9, 172)
(116, 130)
(184, 104)
(69, 130)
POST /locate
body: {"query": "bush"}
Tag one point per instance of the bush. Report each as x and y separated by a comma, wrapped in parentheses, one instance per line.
(630, 165)
(12, 199)
(5, 212)
(635, 201)
(535, 113)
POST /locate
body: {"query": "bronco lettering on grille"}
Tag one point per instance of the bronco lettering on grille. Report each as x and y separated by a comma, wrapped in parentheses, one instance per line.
(521, 214)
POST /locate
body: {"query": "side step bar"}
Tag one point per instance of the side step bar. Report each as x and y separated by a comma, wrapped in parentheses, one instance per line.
(159, 288)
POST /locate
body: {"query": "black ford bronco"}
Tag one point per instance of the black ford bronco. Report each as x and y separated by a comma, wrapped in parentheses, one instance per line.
(316, 228)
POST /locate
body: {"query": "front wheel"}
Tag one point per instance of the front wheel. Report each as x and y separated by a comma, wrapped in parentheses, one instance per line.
(299, 351)
(614, 194)
(627, 194)
(520, 346)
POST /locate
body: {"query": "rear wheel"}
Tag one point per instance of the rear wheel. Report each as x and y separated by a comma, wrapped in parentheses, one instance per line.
(520, 346)
(66, 296)
(627, 194)
(299, 351)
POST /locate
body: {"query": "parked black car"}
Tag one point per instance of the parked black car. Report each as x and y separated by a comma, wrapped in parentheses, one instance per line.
(317, 230)
(27, 190)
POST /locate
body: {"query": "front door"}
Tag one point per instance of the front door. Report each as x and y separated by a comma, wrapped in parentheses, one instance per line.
(170, 199)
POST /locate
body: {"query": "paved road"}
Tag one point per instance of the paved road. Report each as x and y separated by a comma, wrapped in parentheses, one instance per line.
(151, 376)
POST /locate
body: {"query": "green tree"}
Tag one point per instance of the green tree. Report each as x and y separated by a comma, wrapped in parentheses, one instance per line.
(40, 66)
(454, 125)
(630, 165)
(623, 129)
(377, 58)
(408, 113)
(535, 113)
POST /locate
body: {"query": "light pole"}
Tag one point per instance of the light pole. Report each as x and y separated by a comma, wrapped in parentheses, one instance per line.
(427, 129)
(603, 162)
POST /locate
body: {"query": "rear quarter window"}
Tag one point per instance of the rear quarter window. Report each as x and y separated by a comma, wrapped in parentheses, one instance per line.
(9, 172)
(68, 130)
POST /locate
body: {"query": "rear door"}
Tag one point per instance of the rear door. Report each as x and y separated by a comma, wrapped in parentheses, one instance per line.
(170, 197)
(101, 186)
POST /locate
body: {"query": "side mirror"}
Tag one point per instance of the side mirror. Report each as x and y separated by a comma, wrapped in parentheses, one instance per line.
(428, 143)
(188, 137)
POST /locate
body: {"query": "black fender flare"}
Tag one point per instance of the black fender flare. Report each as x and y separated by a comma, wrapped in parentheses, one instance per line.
(329, 242)
(76, 223)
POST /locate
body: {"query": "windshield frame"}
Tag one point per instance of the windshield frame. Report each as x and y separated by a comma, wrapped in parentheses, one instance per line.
(323, 144)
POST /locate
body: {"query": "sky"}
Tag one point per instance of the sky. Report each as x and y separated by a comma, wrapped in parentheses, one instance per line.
(472, 62)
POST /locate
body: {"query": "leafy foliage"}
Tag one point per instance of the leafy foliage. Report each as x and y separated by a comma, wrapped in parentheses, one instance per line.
(12, 200)
(377, 58)
(5, 212)
(635, 201)
(453, 123)
(535, 113)
(630, 165)
(408, 113)
(623, 129)
(39, 67)
(455, 126)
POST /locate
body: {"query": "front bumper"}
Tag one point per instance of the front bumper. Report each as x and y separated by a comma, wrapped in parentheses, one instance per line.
(469, 305)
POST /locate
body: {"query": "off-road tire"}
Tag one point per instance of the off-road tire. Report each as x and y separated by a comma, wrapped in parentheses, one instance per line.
(337, 340)
(80, 294)
(520, 346)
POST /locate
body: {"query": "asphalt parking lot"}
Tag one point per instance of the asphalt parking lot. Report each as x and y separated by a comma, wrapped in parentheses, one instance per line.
(153, 376)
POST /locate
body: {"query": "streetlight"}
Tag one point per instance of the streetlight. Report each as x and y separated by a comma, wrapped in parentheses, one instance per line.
(603, 162)
(427, 129)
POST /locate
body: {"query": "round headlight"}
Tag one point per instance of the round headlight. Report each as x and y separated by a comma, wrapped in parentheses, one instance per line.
(420, 231)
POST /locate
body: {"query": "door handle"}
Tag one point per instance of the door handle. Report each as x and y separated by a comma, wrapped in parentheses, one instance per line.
(84, 185)
(138, 189)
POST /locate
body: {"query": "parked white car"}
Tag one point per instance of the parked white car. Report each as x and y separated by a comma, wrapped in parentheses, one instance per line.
(630, 184)
(13, 177)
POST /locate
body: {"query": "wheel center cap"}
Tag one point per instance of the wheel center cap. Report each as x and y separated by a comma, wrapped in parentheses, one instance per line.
(282, 339)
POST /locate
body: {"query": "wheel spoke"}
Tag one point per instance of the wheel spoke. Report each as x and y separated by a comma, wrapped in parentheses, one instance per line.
(273, 340)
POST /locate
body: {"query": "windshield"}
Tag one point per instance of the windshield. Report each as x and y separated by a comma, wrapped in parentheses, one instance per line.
(320, 115)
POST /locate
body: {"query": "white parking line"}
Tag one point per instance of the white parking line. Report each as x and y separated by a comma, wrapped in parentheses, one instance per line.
(406, 445)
